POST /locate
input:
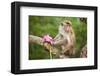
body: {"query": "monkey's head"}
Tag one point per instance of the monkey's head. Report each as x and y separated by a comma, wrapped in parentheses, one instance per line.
(67, 25)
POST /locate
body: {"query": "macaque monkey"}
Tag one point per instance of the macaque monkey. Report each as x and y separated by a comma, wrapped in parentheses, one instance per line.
(63, 44)
(65, 39)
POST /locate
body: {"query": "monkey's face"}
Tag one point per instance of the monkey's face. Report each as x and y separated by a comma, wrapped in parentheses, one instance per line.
(66, 24)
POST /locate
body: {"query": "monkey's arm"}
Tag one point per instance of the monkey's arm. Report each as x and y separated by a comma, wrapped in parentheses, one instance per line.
(60, 42)
(57, 37)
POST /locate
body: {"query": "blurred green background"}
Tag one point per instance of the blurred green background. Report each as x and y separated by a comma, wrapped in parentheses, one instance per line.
(42, 25)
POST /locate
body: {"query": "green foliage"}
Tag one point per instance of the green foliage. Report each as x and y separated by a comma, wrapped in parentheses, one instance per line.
(42, 25)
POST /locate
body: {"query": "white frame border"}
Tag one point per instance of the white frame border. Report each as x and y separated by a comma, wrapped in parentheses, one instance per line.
(38, 64)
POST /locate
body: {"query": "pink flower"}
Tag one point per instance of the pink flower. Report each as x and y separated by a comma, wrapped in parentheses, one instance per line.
(48, 39)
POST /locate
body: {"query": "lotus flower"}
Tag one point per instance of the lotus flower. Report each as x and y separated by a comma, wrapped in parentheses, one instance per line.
(48, 39)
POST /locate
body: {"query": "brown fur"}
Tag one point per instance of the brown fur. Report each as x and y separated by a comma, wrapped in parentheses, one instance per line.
(66, 38)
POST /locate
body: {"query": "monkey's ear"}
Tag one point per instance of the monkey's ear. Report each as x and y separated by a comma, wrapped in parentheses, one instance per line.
(61, 24)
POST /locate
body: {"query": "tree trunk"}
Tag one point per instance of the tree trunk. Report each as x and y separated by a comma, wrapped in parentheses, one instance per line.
(35, 39)
(38, 40)
(83, 53)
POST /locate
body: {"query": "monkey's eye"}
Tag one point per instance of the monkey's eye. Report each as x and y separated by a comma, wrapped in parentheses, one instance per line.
(67, 23)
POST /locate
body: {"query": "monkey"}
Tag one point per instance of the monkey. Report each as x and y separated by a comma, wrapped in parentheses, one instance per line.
(65, 39)
(63, 44)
